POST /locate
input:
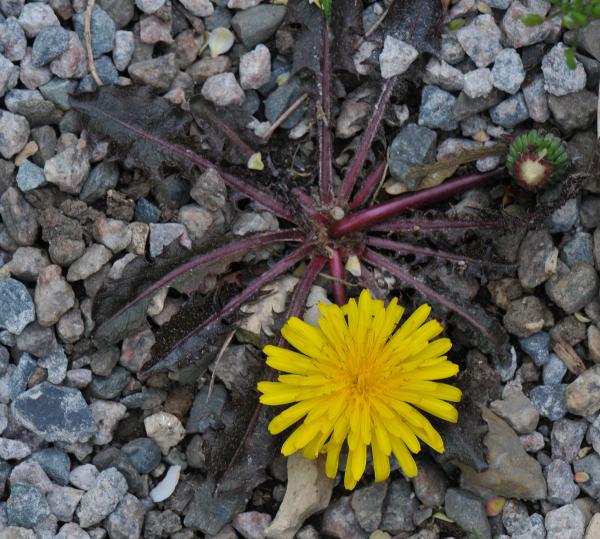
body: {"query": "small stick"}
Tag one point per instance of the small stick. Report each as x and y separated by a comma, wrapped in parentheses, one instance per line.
(284, 116)
(87, 38)
(221, 353)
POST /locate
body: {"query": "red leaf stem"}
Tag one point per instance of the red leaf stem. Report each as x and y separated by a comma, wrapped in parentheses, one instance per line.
(336, 268)
(364, 219)
(368, 186)
(360, 156)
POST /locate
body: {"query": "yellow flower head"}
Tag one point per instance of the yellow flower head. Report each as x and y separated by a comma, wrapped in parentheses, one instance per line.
(357, 379)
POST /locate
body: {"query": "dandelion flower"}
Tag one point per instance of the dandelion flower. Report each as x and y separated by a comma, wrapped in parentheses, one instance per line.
(360, 379)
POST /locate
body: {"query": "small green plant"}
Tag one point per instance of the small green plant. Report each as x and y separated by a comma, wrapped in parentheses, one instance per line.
(575, 15)
(536, 159)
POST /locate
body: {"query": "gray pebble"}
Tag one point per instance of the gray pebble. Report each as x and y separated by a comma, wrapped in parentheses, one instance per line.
(49, 44)
(436, 109)
(17, 306)
(550, 400)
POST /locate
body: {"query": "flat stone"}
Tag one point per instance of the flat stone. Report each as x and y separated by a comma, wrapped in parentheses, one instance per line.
(573, 112)
(524, 317)
(442, 74)
(511, 471)
(413, 145)
(575, 289)
(518, 411)
(257, 24)
(54, 413)
(566, 522)
(468, 512)
(367, 504)
(158, 72)
(17, 306)
(26, 507)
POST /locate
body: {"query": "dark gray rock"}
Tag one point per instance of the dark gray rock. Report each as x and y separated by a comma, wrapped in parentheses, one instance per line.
(127, 519)
(510, 112)
(110, 387)
(554, 370)
(103, 177)
(203, 414)
(158, 524)
(367, 504)
(468, 511)
(143, 453)
(550, 400)
(561, 488)
(465, 106)
(221, 17)
(339, 521)
(436, 110)
(537, 258)
(537, 347)
(26, 506)
(279, 101)
(17, 306)
(146, 212)
(590, 465)
(563, 218)
(112, 457)
(103, 30)
(20, 376)
(58, 91)
(399, 507)
(257, 24)
(578, 249)
(55, 463)
(32, 105)
(57, 414)
(524, 316)
(120, 11)
(413, 145)
(573, 112)
(209, 514)
(157, 72)
(30, 176)
(18, 217)
(49, 44)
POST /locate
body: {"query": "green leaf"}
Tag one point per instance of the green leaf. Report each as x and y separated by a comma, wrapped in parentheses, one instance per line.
(570, 57)
(327, 5)
(456, 24)
(532, 19)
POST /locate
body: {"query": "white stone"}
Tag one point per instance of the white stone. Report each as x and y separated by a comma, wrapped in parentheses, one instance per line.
(396, 57)
(165, 429)
(478, 83)
(167, 485)
(223, 90)
(308, 491)
(255, 68)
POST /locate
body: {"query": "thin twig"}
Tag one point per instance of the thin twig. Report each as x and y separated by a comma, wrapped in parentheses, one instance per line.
(87, 38)
(211, 385)
(284, 117)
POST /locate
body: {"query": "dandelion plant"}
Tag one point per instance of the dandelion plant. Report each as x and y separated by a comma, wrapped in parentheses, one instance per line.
(339, 229)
